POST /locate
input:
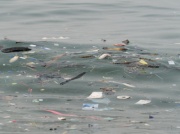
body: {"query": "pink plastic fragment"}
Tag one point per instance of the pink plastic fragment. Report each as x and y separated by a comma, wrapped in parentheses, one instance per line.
(58, 113)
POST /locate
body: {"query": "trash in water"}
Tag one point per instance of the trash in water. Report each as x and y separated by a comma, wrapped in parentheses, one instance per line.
(119, 44)
(32, 45)
(108, 90)
(37, 100)
(88, 106)
(61, 114)
(125, 42)
(151, 117)
(128, 85)
(108, 118)
(171, 62)
(143, 102)
(15, 58)
(143, 62)
(76, 77)
(61, 118)
(95, 95)
(115, 49)
(123, 97)
(103, 56)
(15, 49)
(87, 56)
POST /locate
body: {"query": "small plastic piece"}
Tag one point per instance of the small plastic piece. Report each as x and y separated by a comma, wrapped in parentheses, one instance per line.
(103, 56)
(15, 58)
(171, 62)
(123, 97)
(87, 106)
(143, 62)
(95, 95)
(143, 102)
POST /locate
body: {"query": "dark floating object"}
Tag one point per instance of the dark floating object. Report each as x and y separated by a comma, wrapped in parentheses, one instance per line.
(76, 77)
(15, 49)
(125, 42)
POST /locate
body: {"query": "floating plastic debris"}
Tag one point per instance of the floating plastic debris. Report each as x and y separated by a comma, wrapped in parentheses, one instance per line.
(128, 85)
(76, 77)
(143, 102)
(95, 95)
(87, 106)
(115, 49)
(119, 44)
(15, 49)
(15, 58)
(125, 42)
(123, 97)
(108, 90)
(61, 114)
(171, 62)
(143, 62)
(61, 118)
(32, 45)
(103, 56)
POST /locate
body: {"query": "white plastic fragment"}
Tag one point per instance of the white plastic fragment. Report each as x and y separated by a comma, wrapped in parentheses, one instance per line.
(128, 85)
(95, 95)
(32, 45)
(87, 106)
(103, 56)
(61, 118)
(15, 58)
(63, 38)
(171, 62)
(143, 102)
(123, 97)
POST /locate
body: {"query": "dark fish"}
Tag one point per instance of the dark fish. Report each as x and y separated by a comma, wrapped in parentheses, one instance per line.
(15, 49)
(76, 77)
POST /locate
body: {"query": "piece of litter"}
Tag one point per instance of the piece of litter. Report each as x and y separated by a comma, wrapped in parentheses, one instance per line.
(103, 56)
(42, 89)
(58, 113)
(128, 85)
(40, 99)
(171, 62)
(143, 62)
(46, 48)
(146, 124)
(143, 102)
(95, 95)
(123, 97)
(63, 38)
(14, 83)
(15, 58)
(90, 106)
(61, 118)
(32, 45)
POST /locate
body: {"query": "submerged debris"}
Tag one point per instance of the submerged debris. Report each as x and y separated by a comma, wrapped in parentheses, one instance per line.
(15, 49)
(76, 77)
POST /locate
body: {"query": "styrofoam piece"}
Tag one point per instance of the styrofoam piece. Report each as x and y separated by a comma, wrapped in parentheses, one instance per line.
(143, 102)
(123, 97)
(95, 95)
(171, 62)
